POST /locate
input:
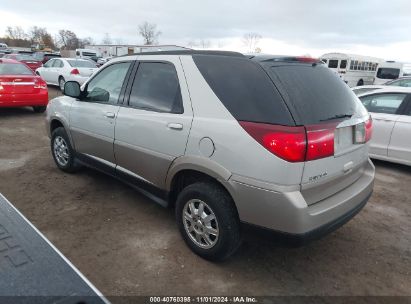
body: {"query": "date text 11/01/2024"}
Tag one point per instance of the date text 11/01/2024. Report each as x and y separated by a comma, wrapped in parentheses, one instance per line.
(203, 299)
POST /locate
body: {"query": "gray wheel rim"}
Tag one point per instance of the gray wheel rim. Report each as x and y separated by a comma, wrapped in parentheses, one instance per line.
(61, 151)
(200, 223)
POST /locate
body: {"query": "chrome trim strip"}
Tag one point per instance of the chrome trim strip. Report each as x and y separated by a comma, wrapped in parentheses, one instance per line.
(110, 164)
(133, 174)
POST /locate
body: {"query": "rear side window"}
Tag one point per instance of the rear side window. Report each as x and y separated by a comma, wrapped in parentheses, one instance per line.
(14, 69)
(315, 92)
(388, 73)
(58, 64)
(333, 64)
(343, 64)
(244, 88)
(156, 88)
(383, 103)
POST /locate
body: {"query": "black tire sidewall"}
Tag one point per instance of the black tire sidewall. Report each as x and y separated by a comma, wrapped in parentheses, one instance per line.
(70, 166)
(39, 109)
(229, 225)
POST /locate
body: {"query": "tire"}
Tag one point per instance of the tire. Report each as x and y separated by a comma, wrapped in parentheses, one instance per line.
(62, 81)
(39, 109)
(360, 82)
(62, 151)
(224, 238)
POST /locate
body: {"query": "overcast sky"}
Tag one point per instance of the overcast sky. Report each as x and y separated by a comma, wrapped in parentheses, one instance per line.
(378, 28)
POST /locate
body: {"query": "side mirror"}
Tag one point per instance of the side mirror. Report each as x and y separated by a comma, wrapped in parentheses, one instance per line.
(72, 89)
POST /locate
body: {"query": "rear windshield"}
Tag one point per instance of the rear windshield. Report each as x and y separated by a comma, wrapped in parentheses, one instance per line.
(24, 57)
(81, 64)
(388, 73)
(14, 69)
(315, 92)
(52, 55)
(244, 89)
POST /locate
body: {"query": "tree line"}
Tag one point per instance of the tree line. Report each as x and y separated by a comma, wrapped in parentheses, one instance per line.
(68, 40)
(65, 39)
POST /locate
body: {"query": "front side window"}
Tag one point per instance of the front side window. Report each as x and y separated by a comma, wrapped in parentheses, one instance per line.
(383, 103)
(106, 86)
(343, 64)
(156, 88)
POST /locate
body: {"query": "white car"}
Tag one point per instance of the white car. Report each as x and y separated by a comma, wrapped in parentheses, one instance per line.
(57, 71)
(390, 109)
(366, 88)
(399, 82)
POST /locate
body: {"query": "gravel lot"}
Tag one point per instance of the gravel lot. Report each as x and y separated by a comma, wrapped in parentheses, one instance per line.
(127, 245)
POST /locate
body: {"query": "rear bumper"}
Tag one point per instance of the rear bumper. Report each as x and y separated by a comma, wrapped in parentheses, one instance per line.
(289, 213)
(24, 100)
(299, 239)
(77, 78)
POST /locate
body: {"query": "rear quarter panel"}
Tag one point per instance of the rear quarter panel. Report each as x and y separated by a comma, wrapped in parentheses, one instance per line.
(234, 148)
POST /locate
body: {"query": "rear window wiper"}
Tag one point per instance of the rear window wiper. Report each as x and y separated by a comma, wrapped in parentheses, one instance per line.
(337, 117)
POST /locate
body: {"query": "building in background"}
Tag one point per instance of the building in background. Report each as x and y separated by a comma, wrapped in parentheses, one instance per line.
(109, 50)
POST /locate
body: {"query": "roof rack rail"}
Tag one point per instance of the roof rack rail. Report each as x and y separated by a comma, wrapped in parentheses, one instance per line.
(188, 52)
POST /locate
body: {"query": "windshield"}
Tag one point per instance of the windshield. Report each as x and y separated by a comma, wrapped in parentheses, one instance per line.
(81, 64)
(14, 69)
(388, 73)
(314, 92)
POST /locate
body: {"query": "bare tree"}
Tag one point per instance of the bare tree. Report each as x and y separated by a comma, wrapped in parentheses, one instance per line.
(15, 33)
(205, 44)
(68, 40)
(192, 44)
(149, 33)
(107, 39)
(86, 41)
(250, 40)
(41, 36)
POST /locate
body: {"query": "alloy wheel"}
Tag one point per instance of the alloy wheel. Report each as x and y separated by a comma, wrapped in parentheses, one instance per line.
(200, 223)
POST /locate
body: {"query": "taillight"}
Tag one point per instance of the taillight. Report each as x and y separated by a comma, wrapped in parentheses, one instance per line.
(294, 144)
(74, 72)
(289, 143)
(368, 129)
(40, 84)
(320, 139)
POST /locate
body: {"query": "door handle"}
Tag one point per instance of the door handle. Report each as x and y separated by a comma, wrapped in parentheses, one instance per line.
(109, 115)
(175, 126)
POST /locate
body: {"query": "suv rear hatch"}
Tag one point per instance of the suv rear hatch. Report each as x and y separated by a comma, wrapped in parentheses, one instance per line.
(336, 123)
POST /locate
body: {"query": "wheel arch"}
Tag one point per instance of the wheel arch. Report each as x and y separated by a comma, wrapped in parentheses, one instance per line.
(56, 122)
(190, 169)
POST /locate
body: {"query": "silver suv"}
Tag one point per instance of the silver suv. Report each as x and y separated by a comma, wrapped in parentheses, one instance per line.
(275, 142)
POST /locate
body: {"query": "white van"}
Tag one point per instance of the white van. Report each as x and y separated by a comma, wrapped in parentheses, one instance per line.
(355, 70)
(390, 70)
(86, 53)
